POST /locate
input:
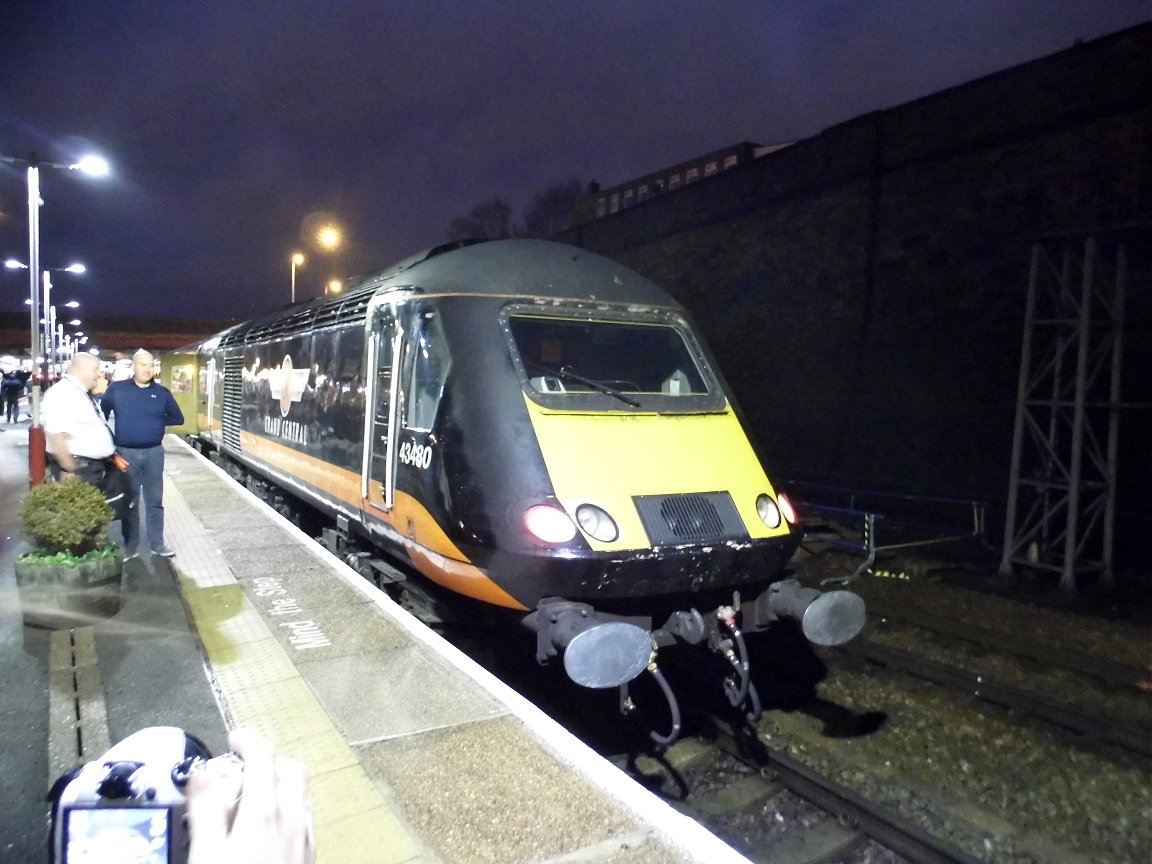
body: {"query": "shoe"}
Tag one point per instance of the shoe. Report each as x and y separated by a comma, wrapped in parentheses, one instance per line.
(164, 552)
(130, 556)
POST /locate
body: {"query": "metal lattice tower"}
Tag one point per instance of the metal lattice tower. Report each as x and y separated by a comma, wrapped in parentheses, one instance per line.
(1062, 489)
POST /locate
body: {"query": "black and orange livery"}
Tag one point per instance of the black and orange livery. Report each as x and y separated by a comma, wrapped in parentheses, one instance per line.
(526, 424)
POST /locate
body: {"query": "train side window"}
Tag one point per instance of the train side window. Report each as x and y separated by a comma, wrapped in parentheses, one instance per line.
(427, 363)
(383, 381)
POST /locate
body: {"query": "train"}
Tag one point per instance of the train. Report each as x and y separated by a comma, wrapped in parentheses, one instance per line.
(525, 429)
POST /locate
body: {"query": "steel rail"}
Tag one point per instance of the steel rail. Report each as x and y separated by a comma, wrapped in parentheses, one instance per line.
(1073, 661)
(874, 821)
(1129, 738)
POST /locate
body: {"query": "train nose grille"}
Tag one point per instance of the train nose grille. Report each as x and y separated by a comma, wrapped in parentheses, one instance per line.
(695, 518)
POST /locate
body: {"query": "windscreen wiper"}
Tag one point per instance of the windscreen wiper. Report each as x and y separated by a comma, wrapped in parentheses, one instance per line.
(567, 372)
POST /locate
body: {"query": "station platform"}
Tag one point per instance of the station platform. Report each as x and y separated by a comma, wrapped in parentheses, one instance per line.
(415, 752)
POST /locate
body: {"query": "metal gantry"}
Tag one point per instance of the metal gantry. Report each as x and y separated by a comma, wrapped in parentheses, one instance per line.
(1062, 490)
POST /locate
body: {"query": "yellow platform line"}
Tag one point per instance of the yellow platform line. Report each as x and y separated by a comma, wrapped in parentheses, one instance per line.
(261, 689)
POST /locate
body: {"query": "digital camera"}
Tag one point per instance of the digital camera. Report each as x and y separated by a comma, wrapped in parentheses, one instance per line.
(130, 804)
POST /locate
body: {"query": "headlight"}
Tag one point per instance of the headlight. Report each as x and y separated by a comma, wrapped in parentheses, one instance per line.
(597, 523)
(768, 512)
(549, 524)
(787, 509)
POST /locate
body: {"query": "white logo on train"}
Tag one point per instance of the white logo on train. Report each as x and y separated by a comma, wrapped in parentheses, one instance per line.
(287, 384)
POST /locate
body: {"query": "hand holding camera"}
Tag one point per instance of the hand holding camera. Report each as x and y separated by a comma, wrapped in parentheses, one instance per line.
(271, 822)
(158, 796)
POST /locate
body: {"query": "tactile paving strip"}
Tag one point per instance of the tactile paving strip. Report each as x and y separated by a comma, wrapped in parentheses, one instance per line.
(262, 689)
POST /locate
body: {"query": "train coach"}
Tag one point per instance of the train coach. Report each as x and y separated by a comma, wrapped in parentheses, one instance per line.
(525, 428)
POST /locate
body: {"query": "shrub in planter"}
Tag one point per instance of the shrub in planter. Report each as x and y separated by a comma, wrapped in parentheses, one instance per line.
(66, 521)
(73, 568)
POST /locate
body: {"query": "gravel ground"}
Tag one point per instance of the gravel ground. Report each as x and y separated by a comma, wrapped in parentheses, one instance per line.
(1002, 787)
(1121, 634)
(1128, 706)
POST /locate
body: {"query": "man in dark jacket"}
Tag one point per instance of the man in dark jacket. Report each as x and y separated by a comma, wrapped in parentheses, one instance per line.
(142, 408)
(13, 388)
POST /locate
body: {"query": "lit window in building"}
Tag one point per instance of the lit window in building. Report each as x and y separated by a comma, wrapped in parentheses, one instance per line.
(673, 182)
(601, 207)
(709, 169)
(626, 201)
(729, 161)
(692, 175)
(614, 202)
(642, 193)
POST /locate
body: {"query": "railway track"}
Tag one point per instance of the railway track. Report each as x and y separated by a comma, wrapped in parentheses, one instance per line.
(772, 808)
(831, 823)
(1094, 726)
(1116, 674)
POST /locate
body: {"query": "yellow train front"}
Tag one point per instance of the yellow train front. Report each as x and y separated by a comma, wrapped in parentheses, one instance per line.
(531, 426)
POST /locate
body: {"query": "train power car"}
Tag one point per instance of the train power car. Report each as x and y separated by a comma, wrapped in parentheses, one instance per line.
(531, 426)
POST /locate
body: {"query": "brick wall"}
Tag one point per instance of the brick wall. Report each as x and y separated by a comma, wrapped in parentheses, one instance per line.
(864, 289)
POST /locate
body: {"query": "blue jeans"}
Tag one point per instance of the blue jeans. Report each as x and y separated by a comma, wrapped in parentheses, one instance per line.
(145, 475)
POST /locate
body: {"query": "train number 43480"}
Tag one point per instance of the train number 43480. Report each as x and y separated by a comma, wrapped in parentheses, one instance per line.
(416, 455)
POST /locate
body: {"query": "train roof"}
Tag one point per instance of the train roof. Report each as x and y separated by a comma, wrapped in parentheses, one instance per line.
(536, 268)
(495, 268)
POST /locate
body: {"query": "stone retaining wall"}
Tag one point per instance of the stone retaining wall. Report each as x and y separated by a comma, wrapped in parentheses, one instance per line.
(864, 289)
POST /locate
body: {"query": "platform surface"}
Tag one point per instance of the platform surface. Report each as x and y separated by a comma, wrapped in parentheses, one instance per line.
(415, 753)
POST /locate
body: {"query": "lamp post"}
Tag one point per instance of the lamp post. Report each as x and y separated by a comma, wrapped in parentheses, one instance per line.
(334, 286)
(96, 167)
(68, 340)
(49, 310)
(49, 327)
(297, 261)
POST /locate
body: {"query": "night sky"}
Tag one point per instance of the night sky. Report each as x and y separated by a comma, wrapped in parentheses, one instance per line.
(228, 123)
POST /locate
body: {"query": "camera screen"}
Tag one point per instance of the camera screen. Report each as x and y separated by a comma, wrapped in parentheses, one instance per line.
(116, 835)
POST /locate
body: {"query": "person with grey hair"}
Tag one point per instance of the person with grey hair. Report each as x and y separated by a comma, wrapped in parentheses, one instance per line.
(142, 408)
(76, 435)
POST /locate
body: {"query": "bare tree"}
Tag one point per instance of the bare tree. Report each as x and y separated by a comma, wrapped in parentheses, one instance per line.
(553, 210)
(490, 220)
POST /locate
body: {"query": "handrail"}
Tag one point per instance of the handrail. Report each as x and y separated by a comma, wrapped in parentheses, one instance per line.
(869, 518)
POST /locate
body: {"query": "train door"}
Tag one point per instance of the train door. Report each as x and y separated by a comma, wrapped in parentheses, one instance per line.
(378, 470)
(178, 374)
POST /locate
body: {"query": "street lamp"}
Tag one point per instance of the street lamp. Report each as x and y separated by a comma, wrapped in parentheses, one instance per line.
(329, 237)
(13, 264)
(334, 286)
(49, 319)
(297, 260)
(49, 309)
(94, 166)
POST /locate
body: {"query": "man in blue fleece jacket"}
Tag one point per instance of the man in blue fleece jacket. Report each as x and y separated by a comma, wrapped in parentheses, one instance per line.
(142, 408)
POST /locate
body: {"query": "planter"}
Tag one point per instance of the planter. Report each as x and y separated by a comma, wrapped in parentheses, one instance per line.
(59, 596)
